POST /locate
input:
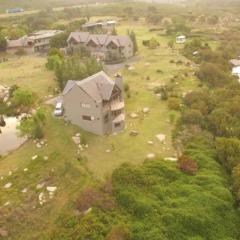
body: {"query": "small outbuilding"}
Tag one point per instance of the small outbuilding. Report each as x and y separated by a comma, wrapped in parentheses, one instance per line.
(181, 39)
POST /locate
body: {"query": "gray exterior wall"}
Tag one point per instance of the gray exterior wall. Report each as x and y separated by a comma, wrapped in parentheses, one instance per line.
(74, 111)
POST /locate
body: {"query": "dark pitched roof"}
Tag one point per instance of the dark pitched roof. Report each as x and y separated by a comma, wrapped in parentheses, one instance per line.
(98, 86)
(100, 39)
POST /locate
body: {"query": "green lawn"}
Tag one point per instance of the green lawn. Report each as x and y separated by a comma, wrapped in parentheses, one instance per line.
(63, 169)
(28, 72)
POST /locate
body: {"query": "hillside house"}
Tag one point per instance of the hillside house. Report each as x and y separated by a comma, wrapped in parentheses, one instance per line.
(102, 46)
(96, 104)
(106, 26)
(36, 42)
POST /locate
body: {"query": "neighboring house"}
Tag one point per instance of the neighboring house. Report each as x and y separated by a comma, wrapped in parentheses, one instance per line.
(235, 67)
(102, 46)
(106, 26)
(36, 42)
(181, 39)
(15, 10)
(96, 104)
(236, 71)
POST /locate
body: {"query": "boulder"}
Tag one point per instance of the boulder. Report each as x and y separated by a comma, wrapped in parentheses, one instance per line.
(51, 189)
(150, 142)
(146, 110)
(161, 137)
(134, 115)
(34, 157)
(151, 156)
(76, 140)
(24, 190)
(40, 185)
(3, 233)
(133, 133)
(172, 159)
(7, 185)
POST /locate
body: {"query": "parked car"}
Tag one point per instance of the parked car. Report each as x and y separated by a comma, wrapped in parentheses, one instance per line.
(58, 109)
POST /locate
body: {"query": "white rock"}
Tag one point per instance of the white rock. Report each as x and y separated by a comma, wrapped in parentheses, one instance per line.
(78, 134)
(133, 115)
(161, 137)
(6, 204)
(45, 158)
(38, 145)
(25, 169)
(10, 173)
(108, 151)
(35, 157)
(40, 185)
(151, 156)
(51, 189)
(172, 159)
(150, 142)
(24, 190)
(88, 211)
(1, 177)
(146, 110)
(76, 140)
(7, 185)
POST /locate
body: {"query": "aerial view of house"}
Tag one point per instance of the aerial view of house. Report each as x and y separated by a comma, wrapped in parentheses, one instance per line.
(96, 104)
(102, 46)
(35, 42)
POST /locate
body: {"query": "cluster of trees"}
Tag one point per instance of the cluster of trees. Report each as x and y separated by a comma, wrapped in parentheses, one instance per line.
(214, 111)
(74, 67)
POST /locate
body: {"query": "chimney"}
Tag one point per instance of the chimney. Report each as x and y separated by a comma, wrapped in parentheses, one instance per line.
(119, 81)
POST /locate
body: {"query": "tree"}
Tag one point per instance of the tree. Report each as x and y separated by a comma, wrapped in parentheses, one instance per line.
(213, 75)
(132, 36)
(33, 127)
(228, 152)
(59, 41)
(3, 43)
(23, 98)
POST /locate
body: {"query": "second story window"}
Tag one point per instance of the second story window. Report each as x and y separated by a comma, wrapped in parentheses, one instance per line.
(85, 105)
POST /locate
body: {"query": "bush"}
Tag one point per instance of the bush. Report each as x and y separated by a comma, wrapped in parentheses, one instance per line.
(187, 165)
(174, 103)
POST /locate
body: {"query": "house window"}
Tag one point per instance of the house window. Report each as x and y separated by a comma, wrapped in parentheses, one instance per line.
(87, 118)
(117, 125)
(106, 118)
(86, 105)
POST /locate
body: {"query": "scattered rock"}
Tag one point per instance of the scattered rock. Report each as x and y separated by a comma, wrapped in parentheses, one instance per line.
(3, 232)
(24, 190)
(161, 138)
(133, 133)
(172, 159)
(76, 140)
(40, 185)
(38, 145)
(35, 157)
(41, 198)
(134, 115)
(151, 156)
(51, 189)
(146, 110)
(77, 134)
(87, 211)
(6, 204)
(7, 185)
(150, 142)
